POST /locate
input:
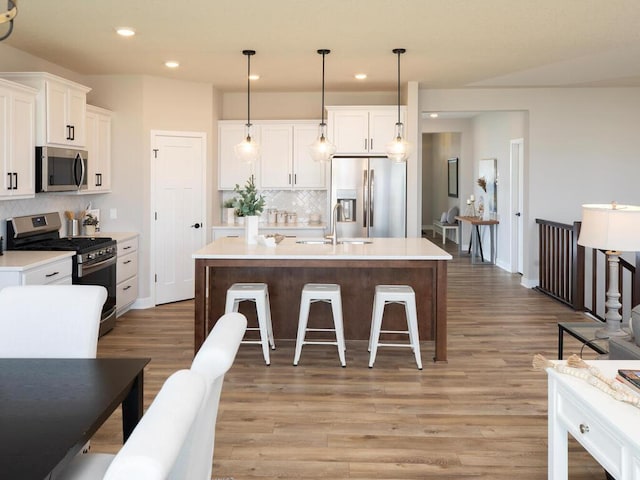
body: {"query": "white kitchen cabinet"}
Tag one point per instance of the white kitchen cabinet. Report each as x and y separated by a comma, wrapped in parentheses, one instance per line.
(232, 171)
(362, 130)
(35, 268)
(60, 108)
(98, 125)
(126, 274)
(17, 140)
(308, 174)
(297, 230)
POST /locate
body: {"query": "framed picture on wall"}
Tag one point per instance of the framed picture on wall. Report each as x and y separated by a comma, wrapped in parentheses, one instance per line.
(452, 169)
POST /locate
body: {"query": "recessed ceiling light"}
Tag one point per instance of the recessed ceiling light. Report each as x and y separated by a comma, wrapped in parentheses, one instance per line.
(125, 31)
(254, 77)
(171, 64)
(361, 76)
(433, 115)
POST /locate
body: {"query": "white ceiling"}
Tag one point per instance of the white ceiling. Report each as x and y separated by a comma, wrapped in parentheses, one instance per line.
(450, 43)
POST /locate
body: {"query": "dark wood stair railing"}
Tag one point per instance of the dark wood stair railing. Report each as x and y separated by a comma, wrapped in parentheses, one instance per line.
(571, 277)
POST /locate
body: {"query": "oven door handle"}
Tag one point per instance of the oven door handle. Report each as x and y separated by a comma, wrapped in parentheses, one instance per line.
(96, 266)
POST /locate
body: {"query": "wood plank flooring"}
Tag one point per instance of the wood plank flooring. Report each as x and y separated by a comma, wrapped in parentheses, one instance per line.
(482, 415)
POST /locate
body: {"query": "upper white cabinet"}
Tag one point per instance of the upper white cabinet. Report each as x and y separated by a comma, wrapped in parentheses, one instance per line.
(98, 125)
(17, 140)
(362, 130)
(285, 161)
(232, 171)
(61, 108)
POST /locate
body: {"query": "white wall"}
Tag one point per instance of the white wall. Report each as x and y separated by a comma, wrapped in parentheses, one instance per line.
(581, 147)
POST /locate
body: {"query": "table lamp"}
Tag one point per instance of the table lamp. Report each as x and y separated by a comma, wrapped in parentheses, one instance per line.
(615, 229)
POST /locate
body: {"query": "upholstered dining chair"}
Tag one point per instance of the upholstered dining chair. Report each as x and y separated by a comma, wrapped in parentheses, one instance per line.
(154, 446)
(50, 321)
(194, 462)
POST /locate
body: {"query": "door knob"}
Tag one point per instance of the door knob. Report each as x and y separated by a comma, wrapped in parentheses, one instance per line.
(517, 214)
(196, 225)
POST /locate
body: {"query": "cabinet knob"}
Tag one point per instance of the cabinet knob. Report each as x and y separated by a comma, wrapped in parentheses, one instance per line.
(584, 428)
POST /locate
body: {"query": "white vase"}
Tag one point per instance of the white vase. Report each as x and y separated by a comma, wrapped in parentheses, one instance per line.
(228, 215)
(89, 229)
(251, 229)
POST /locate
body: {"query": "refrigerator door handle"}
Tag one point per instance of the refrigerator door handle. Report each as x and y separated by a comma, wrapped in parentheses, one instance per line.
(372, 195)
(365, 194)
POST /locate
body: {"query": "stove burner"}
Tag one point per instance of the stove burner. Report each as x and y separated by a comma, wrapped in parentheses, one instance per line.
(77, 244)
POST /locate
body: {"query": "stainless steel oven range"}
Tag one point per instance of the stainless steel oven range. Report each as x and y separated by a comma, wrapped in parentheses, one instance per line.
(93, 264)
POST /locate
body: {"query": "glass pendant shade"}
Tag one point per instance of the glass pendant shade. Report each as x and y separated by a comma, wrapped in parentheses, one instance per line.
(248, 150)
(399, 149)
(322, 149)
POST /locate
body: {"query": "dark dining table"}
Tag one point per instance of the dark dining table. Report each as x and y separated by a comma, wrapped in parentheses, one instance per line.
(50, 408)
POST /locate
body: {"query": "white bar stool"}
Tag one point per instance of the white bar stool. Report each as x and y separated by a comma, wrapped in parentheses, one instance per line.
(258, 294)
(384, 295)
(320, 292)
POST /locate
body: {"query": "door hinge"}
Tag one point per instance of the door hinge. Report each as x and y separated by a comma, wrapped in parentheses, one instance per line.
(155, 153)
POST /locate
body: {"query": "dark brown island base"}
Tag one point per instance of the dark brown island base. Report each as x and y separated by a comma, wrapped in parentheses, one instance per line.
(356, 267)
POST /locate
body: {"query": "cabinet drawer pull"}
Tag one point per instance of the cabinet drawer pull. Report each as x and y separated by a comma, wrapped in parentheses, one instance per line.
(127, 248)
(48, 275)
(126, 288)
(128, 261)
(584, 428)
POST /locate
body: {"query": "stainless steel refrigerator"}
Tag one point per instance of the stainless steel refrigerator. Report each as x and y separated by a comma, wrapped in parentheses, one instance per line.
(372, 193)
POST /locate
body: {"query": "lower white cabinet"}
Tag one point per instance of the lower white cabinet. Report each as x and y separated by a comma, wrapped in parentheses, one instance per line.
(18, 271)
(126, 274)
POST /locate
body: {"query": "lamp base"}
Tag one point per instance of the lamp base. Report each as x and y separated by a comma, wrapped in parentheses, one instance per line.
(606, 333)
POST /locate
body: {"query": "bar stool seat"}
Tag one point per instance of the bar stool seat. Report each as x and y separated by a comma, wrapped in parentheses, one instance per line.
(257, 293)
(402, 294)
(320, 292)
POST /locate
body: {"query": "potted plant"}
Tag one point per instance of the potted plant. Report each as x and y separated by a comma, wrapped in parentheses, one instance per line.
(90, 223)
(249, 205)
(228, 210)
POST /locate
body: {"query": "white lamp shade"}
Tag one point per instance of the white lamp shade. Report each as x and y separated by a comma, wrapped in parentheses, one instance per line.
(611, 227)
(398, 149)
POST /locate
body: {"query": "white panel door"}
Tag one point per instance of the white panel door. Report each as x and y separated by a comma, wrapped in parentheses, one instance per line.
(178, 164)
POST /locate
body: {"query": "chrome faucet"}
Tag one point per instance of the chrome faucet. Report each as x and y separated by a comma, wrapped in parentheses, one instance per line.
(333, 236)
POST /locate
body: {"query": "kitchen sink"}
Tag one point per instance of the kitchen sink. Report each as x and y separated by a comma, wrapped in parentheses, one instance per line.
(354, 242)
(313, 242)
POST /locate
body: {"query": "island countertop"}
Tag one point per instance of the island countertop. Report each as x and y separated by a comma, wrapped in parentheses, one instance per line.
(288, 248)
(357, 268)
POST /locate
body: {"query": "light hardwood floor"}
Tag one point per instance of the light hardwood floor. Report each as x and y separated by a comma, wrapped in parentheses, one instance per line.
(482, 415)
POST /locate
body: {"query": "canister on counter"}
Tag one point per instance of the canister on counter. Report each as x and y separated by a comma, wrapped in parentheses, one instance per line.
(272, 214)
(281, 216)
(292, 217)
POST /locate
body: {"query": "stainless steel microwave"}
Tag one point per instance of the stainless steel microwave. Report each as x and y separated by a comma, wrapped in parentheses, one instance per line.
(60, 169)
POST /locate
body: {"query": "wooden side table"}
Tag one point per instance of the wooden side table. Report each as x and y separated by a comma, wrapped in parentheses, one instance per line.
(477, 255)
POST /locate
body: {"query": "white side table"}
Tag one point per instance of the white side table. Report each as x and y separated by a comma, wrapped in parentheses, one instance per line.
(606, 428)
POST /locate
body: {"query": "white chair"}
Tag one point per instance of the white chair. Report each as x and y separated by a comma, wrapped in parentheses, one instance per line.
(50, 321)
(320, 292)
(257, 293)
(386, 294)
(155, 445)
(213, 360)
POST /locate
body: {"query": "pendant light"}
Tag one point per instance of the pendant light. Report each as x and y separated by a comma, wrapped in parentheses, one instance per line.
(398, 149)
(248, 150)
(322, 149)
(8, 16)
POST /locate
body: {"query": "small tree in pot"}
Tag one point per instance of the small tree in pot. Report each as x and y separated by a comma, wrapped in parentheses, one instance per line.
(249, 203)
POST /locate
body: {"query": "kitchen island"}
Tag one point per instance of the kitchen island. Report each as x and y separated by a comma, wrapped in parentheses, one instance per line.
(357, 267)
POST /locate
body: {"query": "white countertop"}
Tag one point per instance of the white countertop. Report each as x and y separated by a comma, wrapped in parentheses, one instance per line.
(379, 249)
(277, 226)
(20, 260)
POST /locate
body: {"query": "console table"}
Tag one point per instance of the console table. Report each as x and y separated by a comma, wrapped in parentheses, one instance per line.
(475, 248)
(606, 428)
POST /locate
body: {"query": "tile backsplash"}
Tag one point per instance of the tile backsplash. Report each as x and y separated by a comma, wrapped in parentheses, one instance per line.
(302, 202)
(43, 203)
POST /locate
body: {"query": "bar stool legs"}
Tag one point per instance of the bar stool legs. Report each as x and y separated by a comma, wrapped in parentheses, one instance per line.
(386, 294)
(257, 293)
(320, 292)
